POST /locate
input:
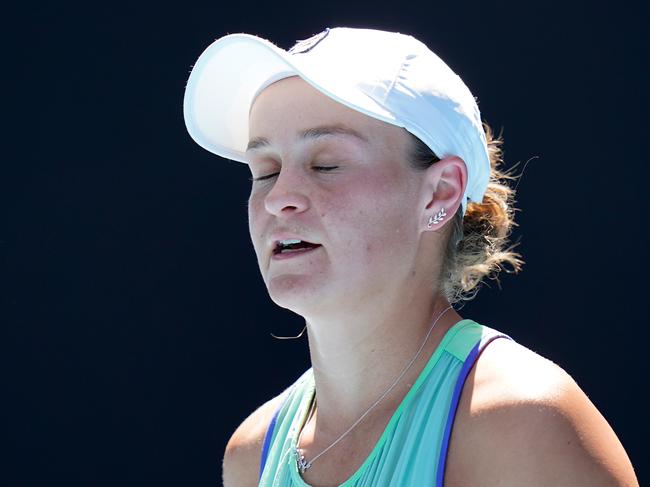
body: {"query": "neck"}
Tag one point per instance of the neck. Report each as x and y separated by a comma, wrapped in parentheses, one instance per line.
(357, 356)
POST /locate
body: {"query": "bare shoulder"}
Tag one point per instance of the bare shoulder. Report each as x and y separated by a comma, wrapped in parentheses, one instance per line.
(241, 461)
(523, 420)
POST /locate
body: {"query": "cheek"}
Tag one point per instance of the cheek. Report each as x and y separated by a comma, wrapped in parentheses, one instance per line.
(393, 222)
(377, 222)
(255, 213)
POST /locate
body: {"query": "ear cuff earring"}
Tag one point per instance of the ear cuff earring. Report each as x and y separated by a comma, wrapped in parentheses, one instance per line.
(437, 218)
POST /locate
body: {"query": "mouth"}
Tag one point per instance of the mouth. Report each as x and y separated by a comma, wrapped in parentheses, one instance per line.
(292, 246)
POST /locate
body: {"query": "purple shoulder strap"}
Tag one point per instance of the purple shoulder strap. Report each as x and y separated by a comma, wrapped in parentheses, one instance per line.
(269, 434)
(464, 372)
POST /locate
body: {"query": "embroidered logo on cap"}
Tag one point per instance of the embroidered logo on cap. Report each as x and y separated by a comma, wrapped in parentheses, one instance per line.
(308, 44)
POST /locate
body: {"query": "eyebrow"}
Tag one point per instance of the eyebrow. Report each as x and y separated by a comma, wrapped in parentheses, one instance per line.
(311, 133)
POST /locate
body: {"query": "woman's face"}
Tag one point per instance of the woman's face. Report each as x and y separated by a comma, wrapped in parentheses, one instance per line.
(334, 206)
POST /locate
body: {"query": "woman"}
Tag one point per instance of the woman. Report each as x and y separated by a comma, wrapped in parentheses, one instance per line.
(377, 204)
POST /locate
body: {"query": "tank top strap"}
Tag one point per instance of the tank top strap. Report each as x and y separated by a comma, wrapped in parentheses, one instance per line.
(468, 336)
(268, 436)
(466, 345)
(294, 396)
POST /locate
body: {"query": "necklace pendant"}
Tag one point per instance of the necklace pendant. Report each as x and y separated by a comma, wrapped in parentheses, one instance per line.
(303, 464)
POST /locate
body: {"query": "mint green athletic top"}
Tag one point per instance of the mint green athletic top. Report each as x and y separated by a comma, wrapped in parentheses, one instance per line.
(413, 447)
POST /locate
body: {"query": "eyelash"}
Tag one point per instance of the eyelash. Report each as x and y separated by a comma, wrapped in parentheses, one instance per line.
(318, 168)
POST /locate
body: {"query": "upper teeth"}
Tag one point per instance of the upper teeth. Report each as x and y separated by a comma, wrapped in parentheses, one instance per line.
(289, 241)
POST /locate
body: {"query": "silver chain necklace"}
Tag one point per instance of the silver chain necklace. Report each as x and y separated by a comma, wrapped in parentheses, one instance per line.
(302, 463)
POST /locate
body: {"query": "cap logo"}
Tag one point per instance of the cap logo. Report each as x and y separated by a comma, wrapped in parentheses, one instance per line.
(307, 45)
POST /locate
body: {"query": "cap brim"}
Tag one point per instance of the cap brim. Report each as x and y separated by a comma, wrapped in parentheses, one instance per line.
(221, 87)
(233, 70)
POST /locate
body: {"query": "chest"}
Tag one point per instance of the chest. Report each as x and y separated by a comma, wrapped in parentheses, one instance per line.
(343, 461)
(410, 450)
(428, 440)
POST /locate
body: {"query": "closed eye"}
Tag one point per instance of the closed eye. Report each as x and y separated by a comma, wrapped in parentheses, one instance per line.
(316, 168)
(265, 177)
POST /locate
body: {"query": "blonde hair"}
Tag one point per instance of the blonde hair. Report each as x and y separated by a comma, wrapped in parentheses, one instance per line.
(477, 247)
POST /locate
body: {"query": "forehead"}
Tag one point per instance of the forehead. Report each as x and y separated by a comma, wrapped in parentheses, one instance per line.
(292, 106)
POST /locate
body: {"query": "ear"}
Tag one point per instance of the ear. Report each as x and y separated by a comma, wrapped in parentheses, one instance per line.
(443, 189)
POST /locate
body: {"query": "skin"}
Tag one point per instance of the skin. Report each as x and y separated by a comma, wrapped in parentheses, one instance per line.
(368, 298)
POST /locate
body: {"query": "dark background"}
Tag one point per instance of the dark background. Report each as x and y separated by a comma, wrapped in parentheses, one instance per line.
(136, 326)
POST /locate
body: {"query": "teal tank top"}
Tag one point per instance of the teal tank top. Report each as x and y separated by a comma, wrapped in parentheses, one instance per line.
(413, 447)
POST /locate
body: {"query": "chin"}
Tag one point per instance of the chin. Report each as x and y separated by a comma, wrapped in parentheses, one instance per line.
(297, 293)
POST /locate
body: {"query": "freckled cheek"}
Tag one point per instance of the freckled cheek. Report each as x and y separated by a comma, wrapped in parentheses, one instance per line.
(361, 233)
(379, 233)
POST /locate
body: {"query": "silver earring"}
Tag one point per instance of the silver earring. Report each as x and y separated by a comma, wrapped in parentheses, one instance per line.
(437, 218)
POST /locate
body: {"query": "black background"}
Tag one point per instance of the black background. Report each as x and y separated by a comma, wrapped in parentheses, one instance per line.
(137, 326)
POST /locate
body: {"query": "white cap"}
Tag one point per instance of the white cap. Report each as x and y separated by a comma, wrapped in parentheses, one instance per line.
(386, 75)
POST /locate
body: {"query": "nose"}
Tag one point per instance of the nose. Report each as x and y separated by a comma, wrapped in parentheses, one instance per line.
(287, 196)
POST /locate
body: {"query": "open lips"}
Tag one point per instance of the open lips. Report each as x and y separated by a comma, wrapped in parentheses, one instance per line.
(292, 245)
